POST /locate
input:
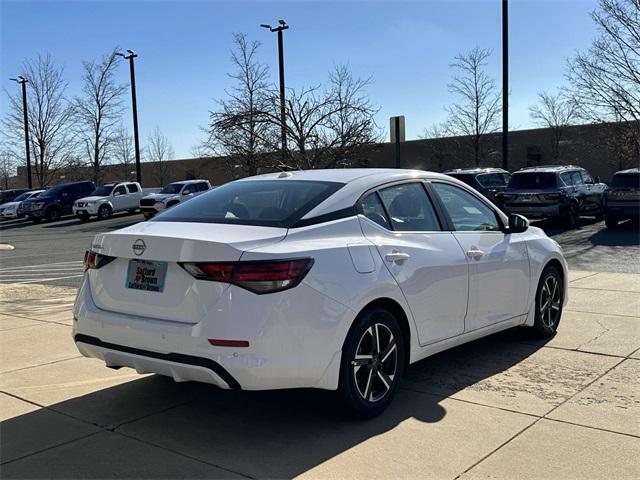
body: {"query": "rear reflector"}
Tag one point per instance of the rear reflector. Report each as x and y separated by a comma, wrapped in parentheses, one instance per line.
(228, 343)
(265, 276)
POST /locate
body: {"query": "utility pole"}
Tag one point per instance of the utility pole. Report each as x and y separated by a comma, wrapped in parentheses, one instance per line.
(130, 55)
(505, 84)
(23, 81)
(283, 120)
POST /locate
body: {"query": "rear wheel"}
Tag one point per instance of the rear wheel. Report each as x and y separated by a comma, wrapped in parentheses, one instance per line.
(132, 211)
(571, 217)
(611, 222)
(104, 212)
(372, 363)
(549, 300)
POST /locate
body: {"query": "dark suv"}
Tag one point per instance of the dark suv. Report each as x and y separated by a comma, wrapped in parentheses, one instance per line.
(56, 201)
(488, 181)
(563, 192)
(622, 198)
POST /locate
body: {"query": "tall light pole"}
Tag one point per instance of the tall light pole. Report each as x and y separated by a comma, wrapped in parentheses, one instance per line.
(282, 25)
(130, 55)
(23, 81)
(505, 84)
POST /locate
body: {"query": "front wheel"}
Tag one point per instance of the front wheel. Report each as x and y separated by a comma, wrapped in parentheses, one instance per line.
(611, 222)
(572, 216)
(104, 212)
(549, 300)
(53, 214)
(372, 363)
(84, 217)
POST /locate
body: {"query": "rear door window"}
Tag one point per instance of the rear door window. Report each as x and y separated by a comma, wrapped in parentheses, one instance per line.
(576, 178)
(409, 208)
(586, 177)
(133, 188)
(202, 187)
(626, 180)
(566, 179)
(372, 208)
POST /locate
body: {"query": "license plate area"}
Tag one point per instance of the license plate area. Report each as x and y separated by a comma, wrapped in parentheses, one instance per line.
(146, 275)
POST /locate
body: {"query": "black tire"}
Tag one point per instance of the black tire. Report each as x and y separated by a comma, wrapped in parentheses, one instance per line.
(147, 216)
(368, 387)
(611, 222)
(104, 212)
(84, 217)
(132, 211)
(53, 214)
(36, 219)
(549, 299)
(571, 218)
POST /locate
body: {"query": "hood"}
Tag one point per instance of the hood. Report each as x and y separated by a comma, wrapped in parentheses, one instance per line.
(160, 196)
(94, 198)
(9, 205)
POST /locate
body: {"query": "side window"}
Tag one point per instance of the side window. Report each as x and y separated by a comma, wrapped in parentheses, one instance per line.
(188, 189)
(133, 188)
(586, 177)
(203, 187)
(409, 208)
(466, 212)
(566, 178)
(374, 211)
(576, 178)
(120, 190)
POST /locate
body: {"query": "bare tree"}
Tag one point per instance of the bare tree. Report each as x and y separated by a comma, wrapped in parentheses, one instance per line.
(238, 130)
(159, 150)
(99, 109)
(7, 168)
(50, 117)
(555, 113)
(476, 114)
(123, 151)
(606, 78)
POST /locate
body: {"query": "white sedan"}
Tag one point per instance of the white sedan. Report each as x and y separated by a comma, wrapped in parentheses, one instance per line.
(332, 279)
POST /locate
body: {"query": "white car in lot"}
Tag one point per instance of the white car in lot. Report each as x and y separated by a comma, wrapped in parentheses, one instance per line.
(109, 199)
(12, 209)
(172, 195)
(332, 279)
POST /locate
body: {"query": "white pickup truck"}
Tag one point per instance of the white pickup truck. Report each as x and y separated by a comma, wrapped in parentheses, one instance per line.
(108, 199)
(172, 194)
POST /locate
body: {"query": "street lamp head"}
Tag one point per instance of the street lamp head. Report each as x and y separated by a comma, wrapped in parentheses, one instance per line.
(282, 22)
(20, 79)
(120, 54)
(131, 52)
(265, 25)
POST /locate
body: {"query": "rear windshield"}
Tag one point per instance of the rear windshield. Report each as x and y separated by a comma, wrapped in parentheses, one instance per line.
(493, 179)
(626, 180)
(534, 180)
(269, 203)
(463, 177)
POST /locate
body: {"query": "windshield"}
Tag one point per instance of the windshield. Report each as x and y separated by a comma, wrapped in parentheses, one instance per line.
(533, 180)
(103, 191)
(269, 203)
(22, 197)
(172, 188)
(626, 180)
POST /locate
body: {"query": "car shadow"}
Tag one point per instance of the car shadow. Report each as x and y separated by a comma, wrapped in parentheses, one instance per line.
(626, 234)
(274, 434)
(93, 221)
(15, 224)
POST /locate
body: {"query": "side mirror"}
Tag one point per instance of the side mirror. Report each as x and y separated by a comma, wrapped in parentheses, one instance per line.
(596, 179)
(116, 194)
(517, 224)
(186, 192)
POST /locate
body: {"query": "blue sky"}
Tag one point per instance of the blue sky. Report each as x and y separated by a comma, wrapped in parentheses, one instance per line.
(406, 46)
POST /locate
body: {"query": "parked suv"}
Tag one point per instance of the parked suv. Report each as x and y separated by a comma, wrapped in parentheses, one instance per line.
(108, 199)
(56, 201)
(10, 195)
(172, 194)
(622, 198)
(488, 181)
(563, 192)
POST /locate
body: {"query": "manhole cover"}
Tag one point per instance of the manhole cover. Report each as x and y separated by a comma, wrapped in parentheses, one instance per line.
(6, 246)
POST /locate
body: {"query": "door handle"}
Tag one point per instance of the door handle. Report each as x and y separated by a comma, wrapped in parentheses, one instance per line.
(397, 257)
(474, 253)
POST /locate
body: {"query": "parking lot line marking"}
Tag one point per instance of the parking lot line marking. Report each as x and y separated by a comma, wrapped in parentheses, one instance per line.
(59, 264)
(40, 280)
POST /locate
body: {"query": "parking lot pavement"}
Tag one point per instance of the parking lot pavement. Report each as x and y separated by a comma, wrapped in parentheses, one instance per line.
(509, 406)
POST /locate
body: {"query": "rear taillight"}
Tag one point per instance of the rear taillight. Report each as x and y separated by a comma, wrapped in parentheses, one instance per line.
(552, 196)
(95, 260)
(265, 276)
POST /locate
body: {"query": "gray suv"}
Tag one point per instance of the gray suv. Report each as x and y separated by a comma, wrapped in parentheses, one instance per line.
(622, 198)
(564, 192)
(490, 182)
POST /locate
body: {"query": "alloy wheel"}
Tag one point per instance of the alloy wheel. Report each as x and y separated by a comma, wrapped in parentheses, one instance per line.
(549, 302)
(375, 363)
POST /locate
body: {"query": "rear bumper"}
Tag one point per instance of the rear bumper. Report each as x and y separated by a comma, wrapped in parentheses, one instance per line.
(289, 346)
(533, 211)
(622, 209)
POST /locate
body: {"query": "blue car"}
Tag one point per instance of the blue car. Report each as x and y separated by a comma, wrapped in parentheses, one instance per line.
(57, 201)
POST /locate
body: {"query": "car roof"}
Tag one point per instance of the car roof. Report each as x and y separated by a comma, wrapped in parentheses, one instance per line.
(549, 169)
(475, 170)
(357, 181)
(187, 181)
(629, 171)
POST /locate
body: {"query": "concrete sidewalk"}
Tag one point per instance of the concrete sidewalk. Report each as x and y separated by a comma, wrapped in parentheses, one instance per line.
(504, 407)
